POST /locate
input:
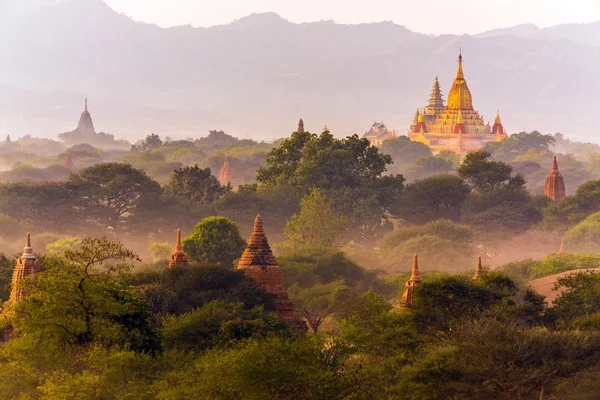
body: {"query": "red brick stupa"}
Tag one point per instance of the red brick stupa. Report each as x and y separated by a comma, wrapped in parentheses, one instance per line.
(478, 270)
(225, 174)
(178, 258)
(27, 265)
(259, 263)
(555, 184)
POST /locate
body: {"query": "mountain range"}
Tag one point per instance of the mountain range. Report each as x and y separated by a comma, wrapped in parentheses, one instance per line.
(257, 76)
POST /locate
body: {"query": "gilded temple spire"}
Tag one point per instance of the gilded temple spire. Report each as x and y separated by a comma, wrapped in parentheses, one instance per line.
(460, 74)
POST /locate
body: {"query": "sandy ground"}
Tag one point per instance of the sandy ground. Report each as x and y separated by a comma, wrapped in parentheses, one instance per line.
(544, 285)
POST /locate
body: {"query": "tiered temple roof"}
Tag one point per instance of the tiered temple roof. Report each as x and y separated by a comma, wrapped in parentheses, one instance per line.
(438, 126)
(27, 265)
(412, 283)
(555, 184)
(259, 263)
(178, 258)
(379, 133)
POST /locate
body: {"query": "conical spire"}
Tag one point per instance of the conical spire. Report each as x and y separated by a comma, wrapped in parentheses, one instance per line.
(478, 270)
(415, 275)
(562, 249)
(225, 174)
(86, 106)
(498, 120)
(178, 258)
(300, 126)
(555, 184)
(86, 125)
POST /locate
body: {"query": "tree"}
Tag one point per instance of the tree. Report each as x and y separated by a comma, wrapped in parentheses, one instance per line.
(403, 150)
(215, 239)
(568, 212)
(586, 234)
(195, 185)
(580, 295)
(77, 301)
(317, 224)
(347, 170)
(436, 197)
(110, 193)
(431, 165)
(484, 174)
(150, 143)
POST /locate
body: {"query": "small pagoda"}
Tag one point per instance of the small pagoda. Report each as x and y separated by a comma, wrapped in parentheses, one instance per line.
(478, 271)
(411, 284)
(300, 126)
(225, 174)
(555, 184)
(85, 125)
(259, 263)
(27, 266)
(178, 258)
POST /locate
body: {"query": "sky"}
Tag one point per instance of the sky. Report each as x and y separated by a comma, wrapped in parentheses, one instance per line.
(430, 16)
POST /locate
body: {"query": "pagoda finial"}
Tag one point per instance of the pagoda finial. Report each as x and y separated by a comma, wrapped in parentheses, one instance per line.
(478, 270)
(415, 275)
(420, 117)
(258, 224)
(325, 128)
(86, 104)
(460, 74)
(498, 120)
(178, 246)
(562, 249)
(555, 164)
(28, 250)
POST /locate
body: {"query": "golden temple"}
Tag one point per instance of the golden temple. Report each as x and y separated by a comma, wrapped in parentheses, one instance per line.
(456, 127)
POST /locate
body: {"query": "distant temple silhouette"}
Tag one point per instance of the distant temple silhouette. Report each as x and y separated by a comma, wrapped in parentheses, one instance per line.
(555, 184)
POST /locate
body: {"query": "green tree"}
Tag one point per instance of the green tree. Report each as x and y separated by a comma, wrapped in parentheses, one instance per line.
(317, 224)
(484, 174)
(580, 295)
(431, 165)
(195, 185)
(436, 197)
(405, 151)
(109, 194)
(215, 239)
(151, 142)
(77, 300)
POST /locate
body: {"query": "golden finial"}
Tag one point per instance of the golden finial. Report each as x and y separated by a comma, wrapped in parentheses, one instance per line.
(460, 74)
(420, 117)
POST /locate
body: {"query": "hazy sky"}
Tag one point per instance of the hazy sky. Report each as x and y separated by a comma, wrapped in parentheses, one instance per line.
(429, 16)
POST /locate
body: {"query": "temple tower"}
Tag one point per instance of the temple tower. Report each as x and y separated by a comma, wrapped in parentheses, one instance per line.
(555, 184)
(498, 128)
(85, 125)
(300, 126)
(225, 174)
(478, 270)
(412, 283)
(27, 265)
(436, 100)
(563, 249)
(68, 160)
(259, 263)
(178, 258)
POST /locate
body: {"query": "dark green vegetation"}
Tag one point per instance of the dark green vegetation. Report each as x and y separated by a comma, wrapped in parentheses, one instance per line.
(345, 220)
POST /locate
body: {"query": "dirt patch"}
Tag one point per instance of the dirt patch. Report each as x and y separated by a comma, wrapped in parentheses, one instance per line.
(545, 285)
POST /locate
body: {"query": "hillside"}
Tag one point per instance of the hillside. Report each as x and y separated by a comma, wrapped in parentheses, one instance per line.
(258, 75)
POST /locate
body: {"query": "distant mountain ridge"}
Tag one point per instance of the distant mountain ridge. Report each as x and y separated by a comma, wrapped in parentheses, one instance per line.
(258, 75)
